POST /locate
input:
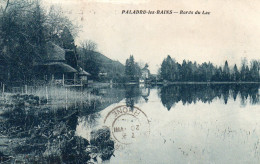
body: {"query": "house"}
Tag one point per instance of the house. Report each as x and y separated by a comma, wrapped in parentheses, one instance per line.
(145, 75)
(53, 68)
(102, 74)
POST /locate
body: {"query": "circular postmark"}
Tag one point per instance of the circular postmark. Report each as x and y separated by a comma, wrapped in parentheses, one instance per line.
(127, 124)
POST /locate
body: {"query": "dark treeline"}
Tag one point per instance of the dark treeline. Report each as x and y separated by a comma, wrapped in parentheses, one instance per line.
(191, 71)
(187, 94)
(26, 28)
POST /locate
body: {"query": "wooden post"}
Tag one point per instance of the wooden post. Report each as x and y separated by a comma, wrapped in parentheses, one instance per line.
(66, 95)
(25, 87)
(81, 95)
(52, 78)
(63, 79)
(46, 90)
(3, 90)
(74, 78)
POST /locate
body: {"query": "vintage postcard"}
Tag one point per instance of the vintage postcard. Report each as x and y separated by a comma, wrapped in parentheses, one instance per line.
(129, 81)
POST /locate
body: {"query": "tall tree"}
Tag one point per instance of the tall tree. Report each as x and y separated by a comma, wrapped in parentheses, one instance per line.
(243, 71)
(67, 42)
(67, 39)
(235, 75)
(55, 22)
(132, 70)
(226, 72)
(169, 69)
(88, 60)
(255, 70)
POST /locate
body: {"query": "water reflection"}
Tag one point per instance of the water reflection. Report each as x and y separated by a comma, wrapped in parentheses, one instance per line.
(132, 95)
(33, 131)
(180, 134)
(187, 94)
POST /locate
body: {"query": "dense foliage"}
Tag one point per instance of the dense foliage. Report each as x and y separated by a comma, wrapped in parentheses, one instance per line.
(25, 28)
(99, 66)
(206, 72)
(132, 70)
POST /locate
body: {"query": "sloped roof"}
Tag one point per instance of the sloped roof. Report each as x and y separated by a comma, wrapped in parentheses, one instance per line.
(54, 52)
(60, 67)
(82, 72)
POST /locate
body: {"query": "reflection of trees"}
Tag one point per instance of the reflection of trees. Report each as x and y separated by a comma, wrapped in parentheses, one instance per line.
(132, 95)
(170, 95)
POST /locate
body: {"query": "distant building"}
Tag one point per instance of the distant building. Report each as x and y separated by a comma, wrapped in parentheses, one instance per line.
(145, 75)
(102, 74)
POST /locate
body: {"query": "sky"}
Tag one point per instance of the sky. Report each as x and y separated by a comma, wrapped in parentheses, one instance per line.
(231, 31)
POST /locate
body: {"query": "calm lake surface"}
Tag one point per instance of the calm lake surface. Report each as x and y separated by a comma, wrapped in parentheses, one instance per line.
(188, 124)
(184, 123)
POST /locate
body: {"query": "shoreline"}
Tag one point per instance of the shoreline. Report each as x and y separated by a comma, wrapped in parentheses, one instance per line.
(171, 83)
(213, 82)
(23, 88)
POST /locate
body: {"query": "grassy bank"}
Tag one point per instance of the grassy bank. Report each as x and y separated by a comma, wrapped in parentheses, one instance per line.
(35, 130)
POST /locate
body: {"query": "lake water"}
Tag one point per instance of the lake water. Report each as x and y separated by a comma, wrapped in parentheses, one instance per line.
(182, 123)
(188, 124)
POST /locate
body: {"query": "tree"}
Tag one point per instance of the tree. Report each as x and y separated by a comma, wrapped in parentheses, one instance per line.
(67, 42)
(92, 66)
(235, 75)
(55, 22)
(169, 69)
(89, 45)
(24, 30)
(254, 70)
(243, 70)
(226, 72)
(132, 70)
(67, 39)
(88, 60)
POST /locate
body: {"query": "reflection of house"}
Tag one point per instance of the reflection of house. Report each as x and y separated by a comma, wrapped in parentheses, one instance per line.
(52, 67)
(145, 75)
(145, 92)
